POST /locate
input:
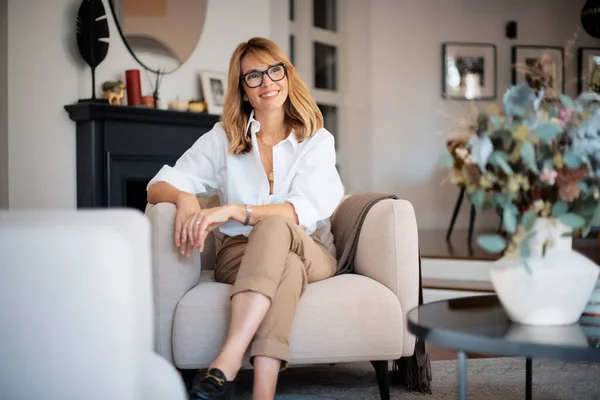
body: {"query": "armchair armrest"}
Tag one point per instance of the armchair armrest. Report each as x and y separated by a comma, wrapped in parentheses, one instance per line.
(388, 252)
(173, 274)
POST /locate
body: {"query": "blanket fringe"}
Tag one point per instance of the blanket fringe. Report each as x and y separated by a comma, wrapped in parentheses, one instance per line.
(414, 372)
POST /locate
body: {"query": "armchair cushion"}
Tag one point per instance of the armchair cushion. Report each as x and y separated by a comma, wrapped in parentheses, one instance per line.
(336, 321)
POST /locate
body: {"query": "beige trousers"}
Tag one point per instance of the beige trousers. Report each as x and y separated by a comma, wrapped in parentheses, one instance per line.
(277, 259)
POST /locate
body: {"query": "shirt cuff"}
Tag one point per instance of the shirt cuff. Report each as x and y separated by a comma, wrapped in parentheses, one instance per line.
(305, 211)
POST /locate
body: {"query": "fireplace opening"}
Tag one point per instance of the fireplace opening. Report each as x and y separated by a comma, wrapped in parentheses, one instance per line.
(135, 193)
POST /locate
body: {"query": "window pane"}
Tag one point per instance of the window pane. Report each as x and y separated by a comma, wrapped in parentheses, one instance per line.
(292, 49)
(325, 66)
(330, 120)
(325, 14)
(292, 10)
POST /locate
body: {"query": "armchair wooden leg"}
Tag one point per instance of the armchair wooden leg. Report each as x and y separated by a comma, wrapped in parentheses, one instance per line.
(383, 378)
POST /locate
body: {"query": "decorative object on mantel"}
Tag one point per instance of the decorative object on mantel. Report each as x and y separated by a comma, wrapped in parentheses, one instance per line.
(113, 92)
(156, 85)
(134, 87)
(148, 101)
(213, 85)
(198, 106)
(92, 38)
(539, 162)
(179, 105)
(590, 18)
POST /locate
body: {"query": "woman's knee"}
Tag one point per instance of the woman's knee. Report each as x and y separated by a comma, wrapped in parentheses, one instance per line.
(273, 224)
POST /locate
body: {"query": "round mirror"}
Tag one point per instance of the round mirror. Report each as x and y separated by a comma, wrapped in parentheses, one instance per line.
(160, 34)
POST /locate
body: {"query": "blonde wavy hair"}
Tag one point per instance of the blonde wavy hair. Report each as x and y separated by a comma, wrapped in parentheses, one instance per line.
(302, 115)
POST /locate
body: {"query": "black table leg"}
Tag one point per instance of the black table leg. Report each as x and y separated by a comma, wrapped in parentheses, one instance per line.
(528, 376)
(462, 375)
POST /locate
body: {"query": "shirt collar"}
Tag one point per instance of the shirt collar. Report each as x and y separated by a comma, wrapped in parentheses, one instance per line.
(253, 126)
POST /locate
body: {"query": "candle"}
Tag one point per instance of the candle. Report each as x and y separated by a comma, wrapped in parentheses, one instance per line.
(134, 90)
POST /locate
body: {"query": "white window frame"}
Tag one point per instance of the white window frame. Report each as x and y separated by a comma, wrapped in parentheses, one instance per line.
(305, 34)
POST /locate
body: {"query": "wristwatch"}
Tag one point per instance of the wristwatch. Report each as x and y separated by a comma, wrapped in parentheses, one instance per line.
(248, 214)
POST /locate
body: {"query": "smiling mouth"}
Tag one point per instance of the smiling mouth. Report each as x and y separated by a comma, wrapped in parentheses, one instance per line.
(269, 94)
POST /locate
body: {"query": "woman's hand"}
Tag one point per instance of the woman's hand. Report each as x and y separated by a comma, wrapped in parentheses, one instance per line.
(188, 211)
(210, 219)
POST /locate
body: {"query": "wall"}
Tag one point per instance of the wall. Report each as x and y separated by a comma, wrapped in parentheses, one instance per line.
(45, 73)
(3, 104)
(357, 139)
(405, 90)
(42, 78)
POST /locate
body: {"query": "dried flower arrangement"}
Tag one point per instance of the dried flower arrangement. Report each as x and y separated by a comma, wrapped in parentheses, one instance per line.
(536, 158)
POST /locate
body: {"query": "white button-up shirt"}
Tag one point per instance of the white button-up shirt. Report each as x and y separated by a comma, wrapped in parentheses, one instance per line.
(305, 175)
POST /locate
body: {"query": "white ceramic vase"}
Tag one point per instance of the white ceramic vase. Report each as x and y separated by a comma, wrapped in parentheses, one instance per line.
(558, 286)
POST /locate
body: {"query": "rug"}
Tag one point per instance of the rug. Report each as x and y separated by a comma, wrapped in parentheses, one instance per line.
(488, 379)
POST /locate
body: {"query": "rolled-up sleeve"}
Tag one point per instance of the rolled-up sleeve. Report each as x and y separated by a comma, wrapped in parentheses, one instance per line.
(196, 170)
(316, 189)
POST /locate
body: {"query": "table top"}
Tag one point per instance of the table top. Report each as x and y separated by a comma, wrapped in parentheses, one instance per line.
(480, 324)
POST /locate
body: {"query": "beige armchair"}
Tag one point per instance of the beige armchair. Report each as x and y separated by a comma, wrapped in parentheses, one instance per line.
(348, 318)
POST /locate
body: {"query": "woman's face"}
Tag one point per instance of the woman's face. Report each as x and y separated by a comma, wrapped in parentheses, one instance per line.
(271, 93)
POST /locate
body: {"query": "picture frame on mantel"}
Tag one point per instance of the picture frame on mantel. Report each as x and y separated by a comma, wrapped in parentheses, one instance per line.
(214, 89)
(469, 71)
(588, 59)
(539, 66)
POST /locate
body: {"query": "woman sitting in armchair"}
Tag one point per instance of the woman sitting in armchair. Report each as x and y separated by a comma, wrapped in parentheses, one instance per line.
(273, 164)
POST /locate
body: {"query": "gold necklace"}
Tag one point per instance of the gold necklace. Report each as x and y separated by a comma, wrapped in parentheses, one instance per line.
(270, 174)
(268, 145)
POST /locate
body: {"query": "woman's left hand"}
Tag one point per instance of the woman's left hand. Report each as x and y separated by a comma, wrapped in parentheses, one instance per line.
(209, 219)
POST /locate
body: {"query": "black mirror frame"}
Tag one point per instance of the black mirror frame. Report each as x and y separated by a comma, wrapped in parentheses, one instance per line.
(116, 20)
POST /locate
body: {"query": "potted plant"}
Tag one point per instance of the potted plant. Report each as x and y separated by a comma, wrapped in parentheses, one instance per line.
(537, 163)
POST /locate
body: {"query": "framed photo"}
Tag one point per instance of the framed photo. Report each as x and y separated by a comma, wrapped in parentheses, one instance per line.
(540, 67)
(588, 60)
(469, 71)
(214, 89)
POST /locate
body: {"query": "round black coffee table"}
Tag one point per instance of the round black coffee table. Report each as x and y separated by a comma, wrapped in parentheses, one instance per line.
(479, 324)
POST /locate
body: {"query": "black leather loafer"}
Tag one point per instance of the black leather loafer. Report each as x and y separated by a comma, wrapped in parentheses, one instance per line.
(213, 386)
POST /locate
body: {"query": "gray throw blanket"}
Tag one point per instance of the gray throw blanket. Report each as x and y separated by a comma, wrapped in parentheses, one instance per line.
(413, 372)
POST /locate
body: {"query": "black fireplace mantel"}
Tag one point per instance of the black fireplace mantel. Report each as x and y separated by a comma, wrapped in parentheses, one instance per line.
(120, 148)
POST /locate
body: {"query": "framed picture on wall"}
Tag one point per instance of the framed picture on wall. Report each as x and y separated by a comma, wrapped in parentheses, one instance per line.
(588, 63)
(214, 89)
(469, 71)
(541, 67)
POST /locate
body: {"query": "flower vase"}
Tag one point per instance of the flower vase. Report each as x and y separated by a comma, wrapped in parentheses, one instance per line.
(550, 287)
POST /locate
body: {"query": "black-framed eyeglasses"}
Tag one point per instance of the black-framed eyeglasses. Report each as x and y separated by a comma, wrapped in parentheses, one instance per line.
(255, 78)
